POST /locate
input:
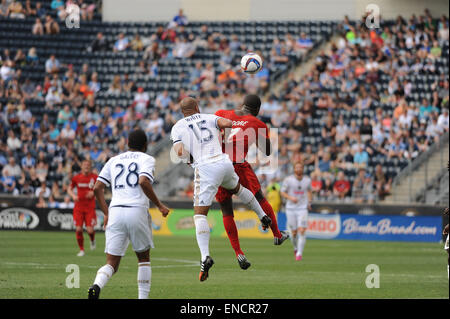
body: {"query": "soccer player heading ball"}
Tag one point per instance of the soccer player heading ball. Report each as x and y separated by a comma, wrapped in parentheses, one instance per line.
(196, 136)
(246, 131)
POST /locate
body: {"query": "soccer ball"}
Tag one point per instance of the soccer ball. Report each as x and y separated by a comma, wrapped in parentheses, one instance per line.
(251, 63)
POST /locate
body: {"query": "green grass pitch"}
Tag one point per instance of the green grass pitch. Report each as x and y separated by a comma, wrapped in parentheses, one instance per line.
(33, 265)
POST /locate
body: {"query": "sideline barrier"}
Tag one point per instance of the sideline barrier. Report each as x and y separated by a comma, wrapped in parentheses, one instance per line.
(180, 222)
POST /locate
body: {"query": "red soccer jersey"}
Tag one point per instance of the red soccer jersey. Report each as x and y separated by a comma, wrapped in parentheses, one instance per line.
(246, 130)
(84, 184)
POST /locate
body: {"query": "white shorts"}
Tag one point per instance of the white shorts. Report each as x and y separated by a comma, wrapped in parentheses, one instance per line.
(297, 218)
(446, 243)
(127, 224)
(209, 176)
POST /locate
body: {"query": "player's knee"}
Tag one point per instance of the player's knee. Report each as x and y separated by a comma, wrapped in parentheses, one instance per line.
(301, 231)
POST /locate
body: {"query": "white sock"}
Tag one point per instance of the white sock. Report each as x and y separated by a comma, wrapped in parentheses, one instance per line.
(300, 244)
(294, 240)
(144, 277)
(103, 275)
(249, 199)
(203, 232)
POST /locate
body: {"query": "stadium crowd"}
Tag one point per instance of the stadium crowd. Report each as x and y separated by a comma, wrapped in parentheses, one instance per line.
(344, 82)
(40, 157)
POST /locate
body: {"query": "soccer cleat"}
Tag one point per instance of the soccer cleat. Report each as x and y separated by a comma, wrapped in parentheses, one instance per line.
(279, 241)
(94, 292)
(243, 262)
(266, 222)
(93, 245)
(204, 268)
(81, 253)
(298, 257)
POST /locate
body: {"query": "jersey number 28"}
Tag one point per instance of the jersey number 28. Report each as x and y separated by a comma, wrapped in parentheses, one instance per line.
(132, 171)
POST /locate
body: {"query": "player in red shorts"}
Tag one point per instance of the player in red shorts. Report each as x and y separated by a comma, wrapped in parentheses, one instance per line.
(245, 118)
(84, 210)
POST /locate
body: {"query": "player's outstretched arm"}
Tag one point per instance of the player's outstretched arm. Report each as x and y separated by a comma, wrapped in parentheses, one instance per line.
(224, 123)
(147, 188)
(99, 192)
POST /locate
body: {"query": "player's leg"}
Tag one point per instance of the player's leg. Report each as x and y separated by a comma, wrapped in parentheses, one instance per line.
(301, 231)
(144, 276)
(78, 221)
(90, 220)
(139, 224)
(104, 274)
(116, 244)
(248, 179)
(207, 180)
(291, 221)
(226, 205)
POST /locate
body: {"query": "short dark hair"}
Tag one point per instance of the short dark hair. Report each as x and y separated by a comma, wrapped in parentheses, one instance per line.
(137, 140)
(252, 102)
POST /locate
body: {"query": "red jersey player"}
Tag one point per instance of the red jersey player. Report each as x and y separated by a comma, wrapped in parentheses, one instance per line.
(84, 210)
(245, 119)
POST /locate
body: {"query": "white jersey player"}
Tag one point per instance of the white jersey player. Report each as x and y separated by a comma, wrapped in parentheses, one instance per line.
(127, 219)
(296, 189)
(197, 136)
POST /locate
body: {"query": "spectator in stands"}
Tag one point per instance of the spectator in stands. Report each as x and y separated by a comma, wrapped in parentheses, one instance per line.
(38, 27)
(67, 203)
(8, 183)
(304, 43)
(51, 26)
(183, 48)
(180, 18)
(4, 8)
(41, 203)
(122, 43)
(87, 10)
(163, 100)
(154, 128)
(12, 168)
(342, 186)
(16, 10)
(137, 44)
(141, 100)
(52, 65)
(99, 43)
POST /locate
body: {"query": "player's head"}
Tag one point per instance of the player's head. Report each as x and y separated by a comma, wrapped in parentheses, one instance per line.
(137, 140)
(86, 166)
(189, 106)
(298, 169)
(251, 104)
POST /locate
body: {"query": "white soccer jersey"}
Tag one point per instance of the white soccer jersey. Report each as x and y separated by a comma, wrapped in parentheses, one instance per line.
(298, 189)
(122, 173)
(200, 136)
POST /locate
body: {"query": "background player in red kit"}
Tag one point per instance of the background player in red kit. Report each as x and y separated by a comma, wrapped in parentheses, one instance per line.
(84, 210)
(245, 118)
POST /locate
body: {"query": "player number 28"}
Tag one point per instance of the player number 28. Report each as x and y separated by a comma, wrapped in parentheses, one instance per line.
(132, 171)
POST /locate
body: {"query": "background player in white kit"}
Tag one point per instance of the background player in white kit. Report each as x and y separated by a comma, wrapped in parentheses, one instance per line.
(130, 176)
(198, 136)
(296, 189)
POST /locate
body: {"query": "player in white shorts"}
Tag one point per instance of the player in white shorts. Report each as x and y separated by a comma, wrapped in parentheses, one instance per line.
(127, 219)
(196, 139)
(296, 189)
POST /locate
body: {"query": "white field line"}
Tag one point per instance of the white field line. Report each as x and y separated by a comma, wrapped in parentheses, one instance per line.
(184, 263)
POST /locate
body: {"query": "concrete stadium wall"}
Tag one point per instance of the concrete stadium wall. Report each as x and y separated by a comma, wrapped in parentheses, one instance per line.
(246, 10)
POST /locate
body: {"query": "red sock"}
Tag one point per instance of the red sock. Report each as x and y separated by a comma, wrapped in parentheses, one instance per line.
(232, 232)
(92, 236)
(267, 208)
(80, 239)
